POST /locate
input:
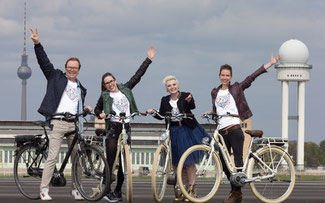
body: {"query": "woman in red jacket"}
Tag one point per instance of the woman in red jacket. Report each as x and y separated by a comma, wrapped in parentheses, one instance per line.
(231, 98)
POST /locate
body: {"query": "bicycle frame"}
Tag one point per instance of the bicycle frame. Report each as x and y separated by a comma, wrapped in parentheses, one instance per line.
(228, 161)
(122, 140)
(168, 164)
(268, 169)
(76, 138)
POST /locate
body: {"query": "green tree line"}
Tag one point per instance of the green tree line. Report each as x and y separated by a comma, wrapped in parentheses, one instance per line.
(314, 153)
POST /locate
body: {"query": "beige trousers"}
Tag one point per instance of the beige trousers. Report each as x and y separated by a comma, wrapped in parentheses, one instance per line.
(56, 138)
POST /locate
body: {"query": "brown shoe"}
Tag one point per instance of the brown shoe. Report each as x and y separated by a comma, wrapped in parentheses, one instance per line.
(191, 191)
(234, 197)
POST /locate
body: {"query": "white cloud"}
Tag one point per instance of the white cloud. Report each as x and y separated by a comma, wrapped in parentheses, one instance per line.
(193, 38)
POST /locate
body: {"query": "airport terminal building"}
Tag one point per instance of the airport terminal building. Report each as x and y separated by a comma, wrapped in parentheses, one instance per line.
(145, 140)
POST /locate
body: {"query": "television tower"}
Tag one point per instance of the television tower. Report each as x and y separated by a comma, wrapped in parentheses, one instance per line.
(24, 72)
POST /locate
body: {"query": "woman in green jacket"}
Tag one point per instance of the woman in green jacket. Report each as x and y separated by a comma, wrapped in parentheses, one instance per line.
(118, 98)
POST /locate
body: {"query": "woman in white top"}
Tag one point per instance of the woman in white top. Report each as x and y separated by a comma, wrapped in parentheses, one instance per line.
(230, 98)
(184, 132)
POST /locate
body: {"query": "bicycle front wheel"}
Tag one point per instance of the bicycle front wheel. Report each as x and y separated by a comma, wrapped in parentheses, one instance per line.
(91, 173)
(159, 173)
(28, 169)
(208, 173)
(127, 172)
(275, 175)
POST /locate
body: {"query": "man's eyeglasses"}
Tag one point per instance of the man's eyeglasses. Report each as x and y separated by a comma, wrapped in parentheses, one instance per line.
(109, 82)
(73, 68)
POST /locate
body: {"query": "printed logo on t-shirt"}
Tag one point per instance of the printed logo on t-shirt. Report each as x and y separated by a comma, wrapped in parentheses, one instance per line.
(223, 101)
(121, 104)
(175, 111)
(72, 93)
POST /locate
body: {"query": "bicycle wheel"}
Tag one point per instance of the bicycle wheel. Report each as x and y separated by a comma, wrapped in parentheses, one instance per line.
(276, 179)
(91, 173)
(28, 169)
(208, 173)
(159, 173)
(127, 172)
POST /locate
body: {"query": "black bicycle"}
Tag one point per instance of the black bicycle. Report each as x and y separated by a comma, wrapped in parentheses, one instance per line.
(31, 154)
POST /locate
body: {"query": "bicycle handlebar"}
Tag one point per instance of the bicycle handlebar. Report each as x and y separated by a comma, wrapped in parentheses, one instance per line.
(71, 116)
(217, 117)
(169, 115)
(123, 115)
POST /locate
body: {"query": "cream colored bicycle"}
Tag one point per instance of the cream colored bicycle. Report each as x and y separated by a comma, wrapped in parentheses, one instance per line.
(268, 168)
(163, 172)
(123, 152)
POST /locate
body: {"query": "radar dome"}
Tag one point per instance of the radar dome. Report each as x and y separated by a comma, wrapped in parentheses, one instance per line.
(293, 52)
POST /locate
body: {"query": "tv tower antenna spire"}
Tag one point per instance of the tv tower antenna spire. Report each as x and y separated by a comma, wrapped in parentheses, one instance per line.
(25, 14)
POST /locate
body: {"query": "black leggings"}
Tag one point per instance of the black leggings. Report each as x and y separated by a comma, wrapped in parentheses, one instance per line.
(111, 148)
(234, 140)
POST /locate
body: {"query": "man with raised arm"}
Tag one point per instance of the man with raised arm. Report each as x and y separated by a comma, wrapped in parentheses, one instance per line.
(64, 93)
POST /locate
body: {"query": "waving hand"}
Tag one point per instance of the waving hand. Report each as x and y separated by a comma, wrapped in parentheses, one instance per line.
(34, 36)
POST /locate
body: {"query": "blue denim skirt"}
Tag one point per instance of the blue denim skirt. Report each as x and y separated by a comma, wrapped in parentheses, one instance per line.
(182, 138)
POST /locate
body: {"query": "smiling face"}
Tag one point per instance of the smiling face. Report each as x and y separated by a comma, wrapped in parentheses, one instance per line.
(72, 70)
(172, 86)
(225, 77)
(110, 84)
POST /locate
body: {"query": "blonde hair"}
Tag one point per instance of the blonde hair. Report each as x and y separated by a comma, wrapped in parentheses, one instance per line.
(168, 78)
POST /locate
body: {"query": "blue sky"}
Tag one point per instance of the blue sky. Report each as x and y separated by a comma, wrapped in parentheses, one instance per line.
(193, 38)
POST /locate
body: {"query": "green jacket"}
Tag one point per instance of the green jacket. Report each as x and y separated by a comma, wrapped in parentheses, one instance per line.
(105, 102)
(108, 101)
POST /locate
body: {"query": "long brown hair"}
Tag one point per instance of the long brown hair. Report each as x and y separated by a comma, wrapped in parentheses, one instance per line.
(103, 77)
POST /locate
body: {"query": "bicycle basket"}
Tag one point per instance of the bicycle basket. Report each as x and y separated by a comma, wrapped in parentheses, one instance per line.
(20, 140)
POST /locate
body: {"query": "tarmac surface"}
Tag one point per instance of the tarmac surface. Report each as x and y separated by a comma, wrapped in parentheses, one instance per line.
(304, 191)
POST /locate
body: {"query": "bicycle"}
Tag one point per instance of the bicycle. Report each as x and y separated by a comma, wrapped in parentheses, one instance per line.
(123, 151)
(31, 154)
(268, 168)
(163, 172)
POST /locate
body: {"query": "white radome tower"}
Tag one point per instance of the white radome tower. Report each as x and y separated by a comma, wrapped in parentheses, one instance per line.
(293, 67)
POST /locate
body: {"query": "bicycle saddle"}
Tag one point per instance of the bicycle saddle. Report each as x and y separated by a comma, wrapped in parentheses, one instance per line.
(254, 133)
(100, 132)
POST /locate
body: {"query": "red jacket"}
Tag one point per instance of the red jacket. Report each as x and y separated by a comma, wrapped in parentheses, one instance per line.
(237, 91)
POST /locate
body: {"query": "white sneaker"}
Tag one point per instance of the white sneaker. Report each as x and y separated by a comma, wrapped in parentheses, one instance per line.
(45, 194)
(76, 195)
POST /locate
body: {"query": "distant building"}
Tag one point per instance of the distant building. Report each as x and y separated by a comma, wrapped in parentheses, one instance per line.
(145, 140)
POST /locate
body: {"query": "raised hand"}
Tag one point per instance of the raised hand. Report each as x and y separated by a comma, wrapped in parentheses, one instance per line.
(151, 52)
(189, 98)
(34, 36)
(273, 61)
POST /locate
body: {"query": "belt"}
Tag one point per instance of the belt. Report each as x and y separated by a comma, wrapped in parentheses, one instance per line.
(64, 119)
(176, 123)
(225, 131)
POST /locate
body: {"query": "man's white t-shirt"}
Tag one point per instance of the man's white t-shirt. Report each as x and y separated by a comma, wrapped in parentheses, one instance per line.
(175, 109)
(120, 104)
(69, 99)
(225, 103)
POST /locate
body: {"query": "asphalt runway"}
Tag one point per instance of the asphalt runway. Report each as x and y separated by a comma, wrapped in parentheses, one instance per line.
(313, 191)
